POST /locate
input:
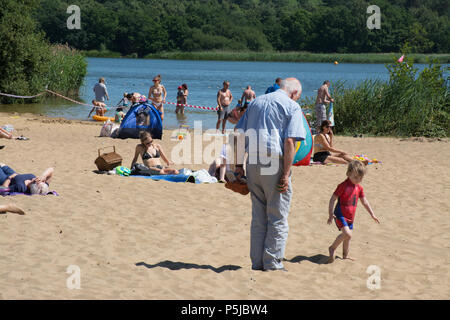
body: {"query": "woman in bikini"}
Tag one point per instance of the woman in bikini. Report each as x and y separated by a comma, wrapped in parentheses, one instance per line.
(151, 154)
(323, 147)
(157, 94)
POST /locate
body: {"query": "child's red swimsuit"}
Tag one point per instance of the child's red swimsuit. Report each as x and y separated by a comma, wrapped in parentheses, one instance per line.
(348, 194)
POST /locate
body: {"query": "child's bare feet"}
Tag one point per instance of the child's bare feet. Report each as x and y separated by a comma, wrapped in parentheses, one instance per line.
(12, 208)
(349, 258)
(331, 258)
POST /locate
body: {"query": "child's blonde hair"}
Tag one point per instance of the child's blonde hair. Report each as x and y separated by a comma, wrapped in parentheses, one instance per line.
(356, 167)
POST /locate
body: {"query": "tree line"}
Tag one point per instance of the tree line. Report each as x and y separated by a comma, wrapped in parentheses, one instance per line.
(134, 27)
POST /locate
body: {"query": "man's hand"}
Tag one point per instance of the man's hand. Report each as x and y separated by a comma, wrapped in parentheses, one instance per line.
(376, 219)
(283, 185)
(239, 172)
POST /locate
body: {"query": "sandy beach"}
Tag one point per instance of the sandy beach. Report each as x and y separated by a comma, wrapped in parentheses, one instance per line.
(135, 238)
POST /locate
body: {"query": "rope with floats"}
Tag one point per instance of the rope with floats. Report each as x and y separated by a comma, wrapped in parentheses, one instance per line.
(90, 105)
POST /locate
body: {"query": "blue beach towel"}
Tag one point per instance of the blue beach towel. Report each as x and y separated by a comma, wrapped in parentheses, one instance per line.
(171, 177)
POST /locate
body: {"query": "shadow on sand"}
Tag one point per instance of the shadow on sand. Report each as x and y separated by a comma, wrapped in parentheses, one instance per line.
(317, 259)
(182, 265)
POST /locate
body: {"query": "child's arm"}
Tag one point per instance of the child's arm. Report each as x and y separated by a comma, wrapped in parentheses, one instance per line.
(366, 205)
(331, 208)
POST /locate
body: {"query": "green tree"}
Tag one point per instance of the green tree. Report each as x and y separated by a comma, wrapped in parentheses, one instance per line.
(24, 53)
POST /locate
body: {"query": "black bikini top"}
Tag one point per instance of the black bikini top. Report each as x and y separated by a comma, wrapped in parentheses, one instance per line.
(146, 155)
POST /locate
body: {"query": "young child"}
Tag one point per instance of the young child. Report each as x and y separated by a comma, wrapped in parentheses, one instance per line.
(118, 117)
(347, 194)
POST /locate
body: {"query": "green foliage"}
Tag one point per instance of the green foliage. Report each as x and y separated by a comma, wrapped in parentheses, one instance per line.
(291, 56)
(409, 104)
(67, 70)
(24, 54)
(320, 26)
(28, 64)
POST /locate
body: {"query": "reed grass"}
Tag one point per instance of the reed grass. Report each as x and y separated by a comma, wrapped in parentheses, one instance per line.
(297, 56)
(68, 67)
(409, 104)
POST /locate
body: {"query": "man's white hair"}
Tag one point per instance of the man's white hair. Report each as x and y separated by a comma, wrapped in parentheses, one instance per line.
(291, 85)
(39, 188)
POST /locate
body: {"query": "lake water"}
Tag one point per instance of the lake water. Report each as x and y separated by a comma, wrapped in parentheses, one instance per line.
(204, 79)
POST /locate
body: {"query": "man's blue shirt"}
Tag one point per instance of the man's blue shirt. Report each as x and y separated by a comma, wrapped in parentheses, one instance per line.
(273, 118)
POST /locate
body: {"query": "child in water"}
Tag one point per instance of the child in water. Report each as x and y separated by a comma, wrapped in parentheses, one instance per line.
(347, 194)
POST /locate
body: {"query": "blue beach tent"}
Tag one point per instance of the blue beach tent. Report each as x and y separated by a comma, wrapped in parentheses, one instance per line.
(141, 117)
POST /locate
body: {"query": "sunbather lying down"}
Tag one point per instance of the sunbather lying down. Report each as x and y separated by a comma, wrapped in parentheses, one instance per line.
(11, 208)
(5, 134)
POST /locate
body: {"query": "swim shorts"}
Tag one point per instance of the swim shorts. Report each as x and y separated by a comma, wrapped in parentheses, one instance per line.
(224, 113)
(321, 156)
(340, 220)
(321, 115)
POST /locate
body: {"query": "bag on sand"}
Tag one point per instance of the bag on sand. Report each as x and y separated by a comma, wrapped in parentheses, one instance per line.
(106, 129)
(108, 161)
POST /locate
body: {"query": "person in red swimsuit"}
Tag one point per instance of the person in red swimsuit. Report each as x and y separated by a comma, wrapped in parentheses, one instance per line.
(347, 194)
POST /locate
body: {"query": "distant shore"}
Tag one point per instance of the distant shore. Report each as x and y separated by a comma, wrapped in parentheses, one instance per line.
(277, 56)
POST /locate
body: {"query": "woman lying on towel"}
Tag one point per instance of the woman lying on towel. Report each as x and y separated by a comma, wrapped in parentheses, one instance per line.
(324, 151)
(151, 154)
(25, 183)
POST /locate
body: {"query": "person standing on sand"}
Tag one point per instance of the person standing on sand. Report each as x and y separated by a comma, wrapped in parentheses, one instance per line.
(275, 120)
(347, 194)
(224, 99)
(323, 97)
(247, 96)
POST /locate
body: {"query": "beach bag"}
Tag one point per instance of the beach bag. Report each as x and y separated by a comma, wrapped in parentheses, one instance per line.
(106, 129)
(108, 161)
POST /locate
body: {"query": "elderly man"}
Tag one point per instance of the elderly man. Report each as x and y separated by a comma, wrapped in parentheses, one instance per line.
(275, 121)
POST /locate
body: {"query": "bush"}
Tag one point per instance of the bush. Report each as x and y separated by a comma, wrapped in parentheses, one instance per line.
(24, 54)
(28, 64)
(67, 70)
(409, 104)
